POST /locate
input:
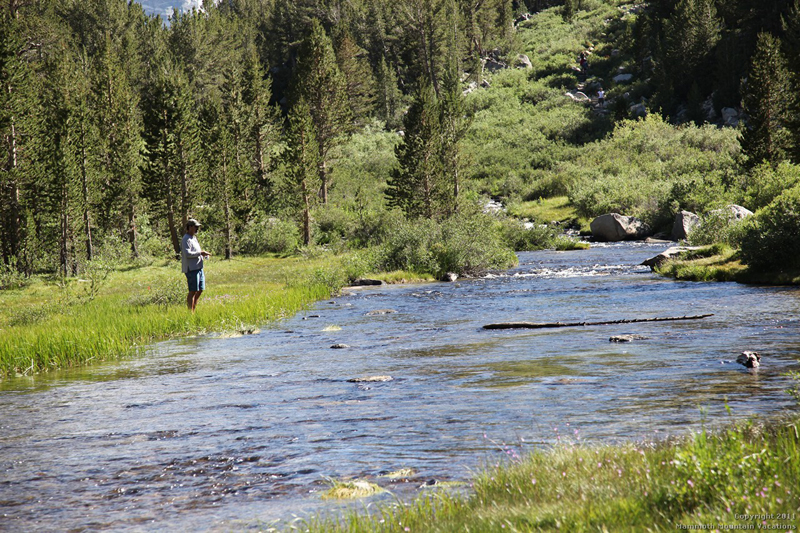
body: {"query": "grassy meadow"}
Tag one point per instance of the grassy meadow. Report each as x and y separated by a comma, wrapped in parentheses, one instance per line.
(53, 323)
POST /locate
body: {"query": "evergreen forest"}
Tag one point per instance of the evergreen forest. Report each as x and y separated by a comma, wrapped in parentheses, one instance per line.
(286, 125)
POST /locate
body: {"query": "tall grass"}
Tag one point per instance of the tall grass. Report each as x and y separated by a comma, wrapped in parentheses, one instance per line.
(710, 478)
(53, 330)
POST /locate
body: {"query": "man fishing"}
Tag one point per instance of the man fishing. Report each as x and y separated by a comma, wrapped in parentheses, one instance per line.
(192, 257)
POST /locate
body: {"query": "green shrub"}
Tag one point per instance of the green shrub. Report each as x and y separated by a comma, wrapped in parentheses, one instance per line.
(771, 238)
(11, 278)
(764, 183)
(718, 227)
(269, 235)
(466, 244)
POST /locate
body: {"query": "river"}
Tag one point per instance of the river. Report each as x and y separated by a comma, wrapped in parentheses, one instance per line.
(213, 433)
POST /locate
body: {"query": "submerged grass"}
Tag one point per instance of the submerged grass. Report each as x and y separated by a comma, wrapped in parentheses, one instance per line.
(51, 325)
(727, 477)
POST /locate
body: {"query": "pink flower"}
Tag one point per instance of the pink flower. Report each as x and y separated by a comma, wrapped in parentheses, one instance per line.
(691, 483)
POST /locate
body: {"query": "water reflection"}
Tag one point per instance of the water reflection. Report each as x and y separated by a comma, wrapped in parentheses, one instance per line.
(214, 433)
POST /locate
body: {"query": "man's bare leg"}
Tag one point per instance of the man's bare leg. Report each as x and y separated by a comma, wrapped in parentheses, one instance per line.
(196, 298)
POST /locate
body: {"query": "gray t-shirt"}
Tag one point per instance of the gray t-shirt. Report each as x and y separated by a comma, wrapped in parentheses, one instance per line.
(191, 257)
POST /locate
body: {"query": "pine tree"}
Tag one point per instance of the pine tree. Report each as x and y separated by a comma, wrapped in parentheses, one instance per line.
(174, 146)
(416, 186)
(262, 127)
(691, 35)
(354, 64)
(321, 84)
(302, 161)
(389, 97)
(768, 100)
(16, 97)
(455, 123)
(120, 151)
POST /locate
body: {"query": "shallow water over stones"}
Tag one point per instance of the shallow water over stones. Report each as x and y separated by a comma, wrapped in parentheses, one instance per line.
(226, 433)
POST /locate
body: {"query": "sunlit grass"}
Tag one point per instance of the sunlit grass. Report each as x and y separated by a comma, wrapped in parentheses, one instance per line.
(747, 469)
(547, 210)
(720, 262)
(51, 325)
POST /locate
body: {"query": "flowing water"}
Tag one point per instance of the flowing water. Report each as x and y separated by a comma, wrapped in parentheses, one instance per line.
(212, 433)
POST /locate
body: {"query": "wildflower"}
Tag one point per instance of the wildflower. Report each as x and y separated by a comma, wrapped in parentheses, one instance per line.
(533, 481)
(564, 474)
(690, 483)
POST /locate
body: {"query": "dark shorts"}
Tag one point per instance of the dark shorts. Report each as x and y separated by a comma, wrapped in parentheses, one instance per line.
(197, 280)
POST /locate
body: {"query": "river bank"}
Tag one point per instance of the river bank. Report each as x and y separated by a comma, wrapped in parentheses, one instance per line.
(742, 477)
(54, 324)
(722, 263)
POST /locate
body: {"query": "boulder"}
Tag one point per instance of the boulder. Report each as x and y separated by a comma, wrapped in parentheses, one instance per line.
(669, 253)
(739, 212)
(473, 86)
(730, 117)
(577, 96)
(371, 379)
(638, 110)
(450, 277)
(685, 222)
(377, 312)
(627, 338)
(523, 61)
(614, 227)
(492, 65)
(749, 359)
(339, 346)
(622, 78)
(363, 282)
(735, 212)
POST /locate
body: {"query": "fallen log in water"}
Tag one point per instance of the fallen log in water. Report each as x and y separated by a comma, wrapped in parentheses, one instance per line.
(536, 325)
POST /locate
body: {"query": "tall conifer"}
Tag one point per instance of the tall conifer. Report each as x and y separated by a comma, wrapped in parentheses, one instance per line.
(416, 186)
(321, 84)
(302, 161)
(768, 100)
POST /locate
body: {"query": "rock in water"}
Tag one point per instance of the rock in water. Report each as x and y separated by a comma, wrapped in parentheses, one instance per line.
(371, 379)
(749, 359)
(339, 346)
(377, 312)
(627, 338)
(450, 277)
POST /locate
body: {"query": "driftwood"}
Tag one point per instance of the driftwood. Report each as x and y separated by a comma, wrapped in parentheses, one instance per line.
(536, 325)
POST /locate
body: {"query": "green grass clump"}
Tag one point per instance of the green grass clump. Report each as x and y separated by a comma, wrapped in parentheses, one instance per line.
(349, 490)
(747, 469)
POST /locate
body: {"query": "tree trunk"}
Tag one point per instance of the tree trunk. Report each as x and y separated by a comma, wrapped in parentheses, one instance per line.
(63, 255)
(87, 225)
(173, 230)
(306, 214)
(323, 176)
(184, 186)
(132, 226)
(13, 188)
